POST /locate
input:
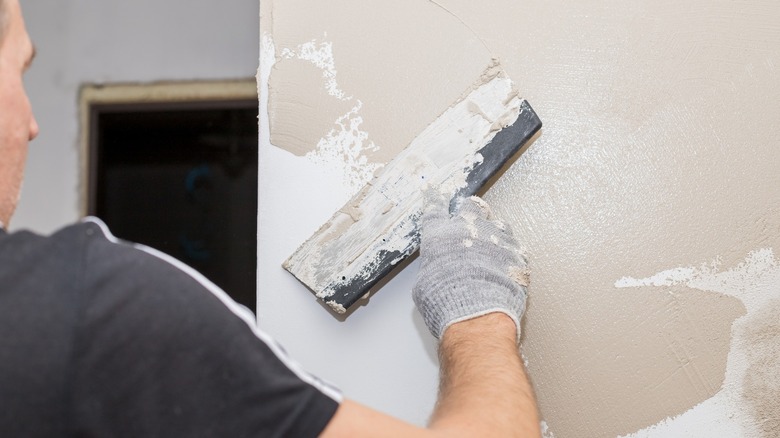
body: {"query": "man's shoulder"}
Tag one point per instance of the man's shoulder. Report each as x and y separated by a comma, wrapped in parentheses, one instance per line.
(30, 252)
(71, 235)
(96, 261)
(84, 256)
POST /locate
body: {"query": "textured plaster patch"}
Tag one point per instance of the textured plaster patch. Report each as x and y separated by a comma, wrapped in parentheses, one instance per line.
(378, 57)
(303, 87)
(304, 110)
(320, 54)
(748, 403)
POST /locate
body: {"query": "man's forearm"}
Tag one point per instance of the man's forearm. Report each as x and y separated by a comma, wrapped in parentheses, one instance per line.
(484, 388)
(469, 259)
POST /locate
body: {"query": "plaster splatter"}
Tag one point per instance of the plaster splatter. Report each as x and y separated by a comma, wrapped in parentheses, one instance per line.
(546, 432)
(747, 403)
(761, 385)
(321, 55)
(343, 146)
(344, 149)
(521, 275)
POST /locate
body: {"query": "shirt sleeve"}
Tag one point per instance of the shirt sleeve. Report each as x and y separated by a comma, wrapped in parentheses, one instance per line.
(162, 352)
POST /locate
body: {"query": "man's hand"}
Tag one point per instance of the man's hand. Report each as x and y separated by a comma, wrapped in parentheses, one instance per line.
(471, 265)
(471, 292)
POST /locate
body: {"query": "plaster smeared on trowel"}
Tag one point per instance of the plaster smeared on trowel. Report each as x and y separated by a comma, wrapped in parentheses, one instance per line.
(449, 154)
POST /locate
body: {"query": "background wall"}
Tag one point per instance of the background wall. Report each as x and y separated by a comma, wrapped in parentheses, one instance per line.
(649, 205)
(94, 41)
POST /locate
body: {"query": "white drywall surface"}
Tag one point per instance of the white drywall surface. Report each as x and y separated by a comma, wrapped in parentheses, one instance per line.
(380, 355)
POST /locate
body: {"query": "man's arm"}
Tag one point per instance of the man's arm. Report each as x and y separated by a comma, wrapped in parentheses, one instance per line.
(484, 390)
(484, 387)
(471, 293)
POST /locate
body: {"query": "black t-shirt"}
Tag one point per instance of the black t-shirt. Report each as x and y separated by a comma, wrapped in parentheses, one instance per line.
(100, 338)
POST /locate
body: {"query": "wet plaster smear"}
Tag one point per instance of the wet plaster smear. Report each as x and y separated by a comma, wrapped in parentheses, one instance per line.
(650, 204)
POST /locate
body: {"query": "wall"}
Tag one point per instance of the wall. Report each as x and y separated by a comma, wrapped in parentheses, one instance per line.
(93, 41)
(649, 206)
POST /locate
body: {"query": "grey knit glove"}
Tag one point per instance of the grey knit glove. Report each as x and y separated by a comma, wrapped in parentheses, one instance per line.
(470, 265)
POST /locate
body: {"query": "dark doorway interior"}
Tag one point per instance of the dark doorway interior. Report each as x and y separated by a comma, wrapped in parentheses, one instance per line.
(182, 178)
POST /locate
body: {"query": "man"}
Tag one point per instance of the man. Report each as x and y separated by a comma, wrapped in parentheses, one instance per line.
(104, 338)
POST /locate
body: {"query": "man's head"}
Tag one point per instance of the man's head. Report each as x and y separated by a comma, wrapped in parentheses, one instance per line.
(17, 123)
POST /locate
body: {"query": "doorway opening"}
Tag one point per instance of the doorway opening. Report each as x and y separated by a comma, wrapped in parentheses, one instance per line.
(180, 175)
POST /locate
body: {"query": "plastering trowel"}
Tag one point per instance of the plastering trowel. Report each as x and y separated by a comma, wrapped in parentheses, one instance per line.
(378, 227)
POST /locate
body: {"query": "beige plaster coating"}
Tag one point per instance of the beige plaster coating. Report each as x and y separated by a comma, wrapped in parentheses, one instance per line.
(747, 404)
(761, 385)
(659, 149)
(306, 112)
(381, 61)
